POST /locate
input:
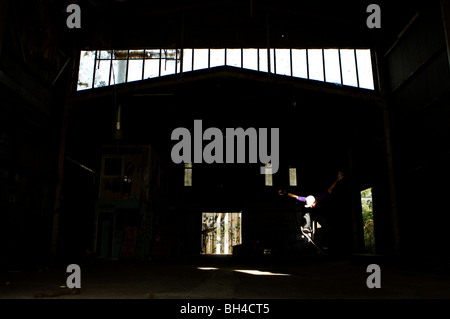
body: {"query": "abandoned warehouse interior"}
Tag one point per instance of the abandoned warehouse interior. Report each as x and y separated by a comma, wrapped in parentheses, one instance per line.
(87, 116)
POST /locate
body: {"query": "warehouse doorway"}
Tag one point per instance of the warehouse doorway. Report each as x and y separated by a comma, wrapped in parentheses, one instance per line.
(367, 216)
(221, 232)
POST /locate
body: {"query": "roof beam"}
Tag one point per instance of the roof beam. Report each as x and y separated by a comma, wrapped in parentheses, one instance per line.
(140, 87)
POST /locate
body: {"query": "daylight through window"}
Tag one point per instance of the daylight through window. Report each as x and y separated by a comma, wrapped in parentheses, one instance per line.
(268, 174)
(292, 176)
(349, 67)
(188, 174)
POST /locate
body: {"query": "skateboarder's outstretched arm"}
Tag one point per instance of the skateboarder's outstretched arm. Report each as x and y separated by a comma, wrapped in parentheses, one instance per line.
(339, 178)
(281, 192)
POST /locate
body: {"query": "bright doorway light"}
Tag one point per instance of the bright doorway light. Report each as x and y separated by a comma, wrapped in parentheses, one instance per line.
(367, 216)
(220, 233)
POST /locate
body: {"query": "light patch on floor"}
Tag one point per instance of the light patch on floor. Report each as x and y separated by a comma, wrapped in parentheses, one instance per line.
(260, 273)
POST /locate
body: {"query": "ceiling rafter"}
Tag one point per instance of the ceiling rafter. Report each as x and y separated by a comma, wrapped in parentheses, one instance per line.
(222, 72)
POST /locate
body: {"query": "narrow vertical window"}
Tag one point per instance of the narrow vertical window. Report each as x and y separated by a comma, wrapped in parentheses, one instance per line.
(250, 59)
(188, 174)
(363, 58)
(283, 61)
(86, 74)
(119, 67)
(348, 64)
(201, 58)
(292, 176)
(315, 64)
(367, 216)
(168, 61)
(135, 65)
(299, 64)
(262, 54)
(152, 65)
(103, 67)
(234, 57)
(187, 60)
(272, 61)
(332, 66)
(217, 57)
(268, 174)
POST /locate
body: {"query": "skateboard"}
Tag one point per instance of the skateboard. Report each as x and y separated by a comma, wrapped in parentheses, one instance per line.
(307, 235)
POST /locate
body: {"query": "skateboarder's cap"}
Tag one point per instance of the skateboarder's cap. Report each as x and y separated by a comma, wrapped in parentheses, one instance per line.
(309, 201)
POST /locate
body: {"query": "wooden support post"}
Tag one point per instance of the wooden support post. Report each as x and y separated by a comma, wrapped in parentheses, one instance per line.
(379, 57)
(70, 80)
(392, 184)
(59, 182)
(357, 222)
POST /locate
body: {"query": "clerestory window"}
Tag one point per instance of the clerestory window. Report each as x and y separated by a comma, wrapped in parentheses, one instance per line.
(349, 67)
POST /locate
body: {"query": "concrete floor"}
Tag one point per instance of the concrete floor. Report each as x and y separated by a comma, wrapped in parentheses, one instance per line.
(224, 277)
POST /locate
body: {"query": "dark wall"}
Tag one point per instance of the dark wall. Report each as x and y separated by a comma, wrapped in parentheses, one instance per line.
(223, 24)
(27, 158)
(31, 57)
(419, 87)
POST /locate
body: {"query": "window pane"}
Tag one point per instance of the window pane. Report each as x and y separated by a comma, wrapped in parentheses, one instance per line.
(152, 54)
(234, 57)
(118, 71)
(179, 63)
(120, 54)
(168, 61)
(188, 174)
(187, 60)
(151, 68)
(168, 66)
(169, 54)
(365, 69)
(332, 69)
(348, 67)
(217, 57)
(268, 174)
(86, 70)
(292, 176)
(272, 60)
(105, 55)
(135, 70)
(283, 60)
(299, 67)
(136, 54)
(200, 59)
(250, 59)
(315, 63)
(263, 67)
(102, 73)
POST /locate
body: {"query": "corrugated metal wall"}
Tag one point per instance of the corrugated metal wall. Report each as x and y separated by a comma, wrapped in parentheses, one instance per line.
(419, 102)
